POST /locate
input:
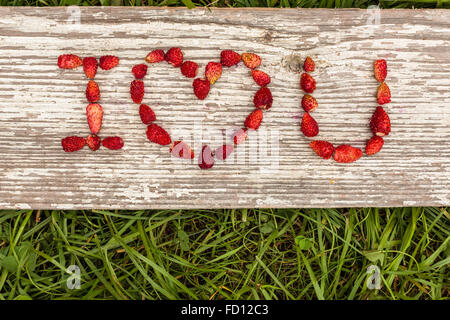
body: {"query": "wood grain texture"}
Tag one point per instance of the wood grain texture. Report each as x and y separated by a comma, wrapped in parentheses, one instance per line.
(40, 104)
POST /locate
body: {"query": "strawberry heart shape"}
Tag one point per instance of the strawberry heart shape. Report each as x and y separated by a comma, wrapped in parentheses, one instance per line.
(379, 123)
(262, 100)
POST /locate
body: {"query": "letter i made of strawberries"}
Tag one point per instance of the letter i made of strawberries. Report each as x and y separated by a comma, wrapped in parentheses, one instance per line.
(94, 111)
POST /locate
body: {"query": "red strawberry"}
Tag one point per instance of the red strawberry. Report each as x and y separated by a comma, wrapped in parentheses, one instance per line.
(346, 153)
(158, 135)
(380, 70)
(380, 122)
(155, 56)
(93, 142)
(147, 114)
(263, 99)
(223, 152)
(113, 143)
(71, 144)
(181, 149)
(108, 62)
(174, 56)
(201, 88)
(374, 145)
(309, 103)
(213, 71)
(92, 91)
(261, 78)
(309, 126)
(383, 94)
(251, 60)
(94, 113)
(189, 69)
(137, 91)
(90, 67)
(307, 83)
(254, 119)
(206, 158)
(239, 136)
(139, 71)
(229, 58)
(323, 149)
(69, 61)
(309, 65)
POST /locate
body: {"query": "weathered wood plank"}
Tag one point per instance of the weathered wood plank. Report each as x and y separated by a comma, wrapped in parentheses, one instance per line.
(40, 104)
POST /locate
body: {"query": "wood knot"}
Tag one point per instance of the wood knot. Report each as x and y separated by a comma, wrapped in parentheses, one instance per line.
(267, 37)
(293, 63)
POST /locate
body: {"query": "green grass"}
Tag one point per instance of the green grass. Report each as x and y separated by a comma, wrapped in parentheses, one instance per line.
(240, 3)
(226, 254)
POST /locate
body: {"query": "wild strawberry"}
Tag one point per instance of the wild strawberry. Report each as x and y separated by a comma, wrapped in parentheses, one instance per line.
(251, 60)
(239, 136)
(263, 99)
(158, 135)
(113, 143)
(94, 113)
(346, 153)
(380, 122)
(90, 67)
(139, 71)
(223, 152)
(383, 94)
(201, 88)
(189, 69)
(108, 62)
(323, 149)
(261, 78)
(374, 145)
(93, 142)
(229, 58)
(309, 126)
(147, 114)
(92, 91)
(309, 103)
(309, 65)
(69, 61)
(137, 91)
(71, 144)
(181, 149)
(380, 70)
(307, 83)
(155, 56)
(206, 158)
(213, 71)
(174, 56)
(254, 119)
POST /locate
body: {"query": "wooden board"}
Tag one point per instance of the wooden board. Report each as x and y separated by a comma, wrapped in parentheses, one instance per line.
(40, 104)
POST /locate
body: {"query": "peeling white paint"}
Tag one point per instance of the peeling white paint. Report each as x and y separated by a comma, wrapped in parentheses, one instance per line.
(40, 104)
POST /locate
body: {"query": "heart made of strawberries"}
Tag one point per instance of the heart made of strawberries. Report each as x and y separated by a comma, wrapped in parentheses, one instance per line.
(379, 123)
(201, 86)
